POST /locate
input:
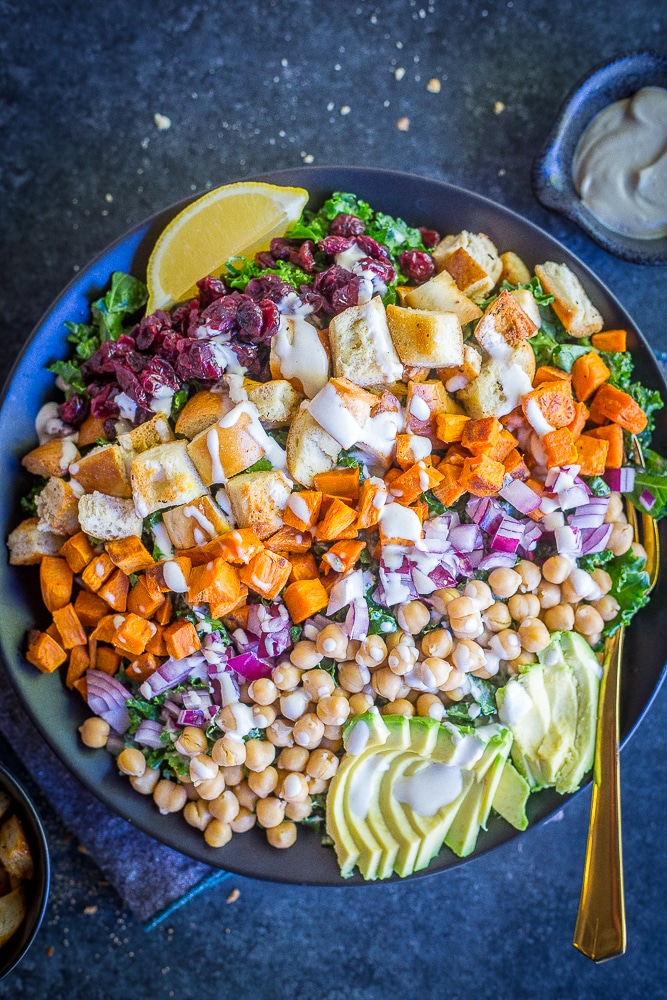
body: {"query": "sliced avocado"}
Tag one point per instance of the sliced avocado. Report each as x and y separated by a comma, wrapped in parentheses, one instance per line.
(365, 731)
(586, 673)
(474, 809)
(530, 728)
(559, 738)
(511, 796)
(423, 735)
(396, 818)
(433, 829)
(492, 776)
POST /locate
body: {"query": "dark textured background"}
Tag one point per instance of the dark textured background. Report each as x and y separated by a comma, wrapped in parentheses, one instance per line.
(256, 87)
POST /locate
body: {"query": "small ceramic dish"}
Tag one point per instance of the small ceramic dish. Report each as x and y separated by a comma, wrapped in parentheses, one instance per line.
(552, 170)
(37, 888)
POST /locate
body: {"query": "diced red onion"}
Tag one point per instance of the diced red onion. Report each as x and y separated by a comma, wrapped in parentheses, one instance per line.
(620, 480)
(562, 478)
(115, 743)
(149, 733)
(549, 504)
(441, 525)
(497, 559)
(552, 521)
(465, 537)
(532, 534)
(646, 499)
(575, 496)
(595, 539)
(171, 673)
(191, 717)
(522, 497)
(346, 590)
(357, 620)
(196, 699)
(274, 643)
(568, 540)
(249, 666)
(488, 514)
(107, 698)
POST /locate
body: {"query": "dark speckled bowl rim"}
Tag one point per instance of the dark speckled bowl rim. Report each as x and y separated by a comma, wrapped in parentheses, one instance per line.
(552, 169)
(58, 712)
(37, 888)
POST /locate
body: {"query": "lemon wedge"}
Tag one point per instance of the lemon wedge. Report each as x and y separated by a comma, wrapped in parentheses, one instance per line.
(234, 220)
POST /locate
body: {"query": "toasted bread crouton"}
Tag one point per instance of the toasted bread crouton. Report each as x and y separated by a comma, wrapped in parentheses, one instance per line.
(147, 435)
(12, 913)
(441, 294)
(425, 338)
(277, 401)
(310, 449)
(571, 303)
(108, 517)
(514, 270)
(202, 410)
(219, 452)
(195, 523)
(57, 507)
(528, 304)
(52, 458)
(342, 409)
(104, 469)
(503, 326)
(27, 544)
(15, 853)
(500, 384)
(163, 477)
(300, 353)
(361, 346)
(472, 260)
(457, 377)
(258, 500)
(91, 431)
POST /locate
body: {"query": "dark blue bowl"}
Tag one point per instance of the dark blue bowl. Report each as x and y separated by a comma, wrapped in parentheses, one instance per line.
(552, 170)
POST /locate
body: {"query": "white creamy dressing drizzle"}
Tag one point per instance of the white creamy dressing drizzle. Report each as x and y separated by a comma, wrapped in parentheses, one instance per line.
(275, 454)
(299, 507)
(378, 435)
(161, 401)
(201, 519)
(126, 406)
(372, 284)
(620, 165)
(421, 447)
(301, 354)
(69, 453)
(429, 788)
(48, 424)
(536, 418)
(455, 383)
(400, 522)
(174, 577)
(515, 384)
(331, 413)
(363, 783)
(374, 317)
(162, 539)
(357, 738)
(419, 408)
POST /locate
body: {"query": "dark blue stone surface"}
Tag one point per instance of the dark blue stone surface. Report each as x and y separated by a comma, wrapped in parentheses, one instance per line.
(250, 88)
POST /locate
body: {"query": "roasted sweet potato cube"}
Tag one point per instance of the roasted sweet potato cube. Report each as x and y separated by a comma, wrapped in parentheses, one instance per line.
(342, 483)
(181, 639)
(371, 500)
(237, 547)
(614, 404)
(267, 573)
(550, 373)
(399, 525)
(219, 609)
(341, 556)
(450, 489)
(304, 567)
(450, 426)
(78, 552)
(90, 608)
(129, 554)
(105, 629)
(133, 634)
(613, 434)
(114, 590)
(515, 467)
(107, 659)
(337, 519)
(97, 572)
(428, 396)
(481, 435)
(290, 540)
(165, 612)
(141, 668)
(482, 476)
(560, 448)
(56, 579)
(142, 601)
(610, 340)
(592, 455)
(410, 485)
(580, 418)
(304, 598)
(303, 509)
(215, 581)
(44, 652)
(589, 372)
(79, 661)
(550, 402)
(157, 645)
(72, 632)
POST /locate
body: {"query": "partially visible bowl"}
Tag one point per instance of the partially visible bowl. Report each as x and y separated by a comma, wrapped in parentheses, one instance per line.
(552, 170)
(37, 888)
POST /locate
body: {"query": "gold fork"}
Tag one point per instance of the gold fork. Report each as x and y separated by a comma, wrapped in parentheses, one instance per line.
(600, 929)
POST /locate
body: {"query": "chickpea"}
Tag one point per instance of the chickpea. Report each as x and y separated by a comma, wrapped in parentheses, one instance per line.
(282, 836)
(262, 783)
(246, 796)
(305, 655)
(530, 576)
(402, 658)
(556, 569)
(225, 807)
(442, 598)
(333, 732)
(263, 691)
(331, 744)
(147, 782)
(559, 618)
(506, 644)
(131, 761)
(439, 642)
(614, 508)
(228, 751)
(497, 617)
(212, 787)
(429, 706)
(270, 811)
(433, 671)
(94, 732)
(317, 785)
(318, 684)
(353, 677)
(190, 790)
(480, 593)
(468, 627)
(298, 811)
(217, 833)
(524, 606)
(294, 787)
(286, 677)
(578, 586)
(202, 768)
(333, 711)
(533, 634)
(280, 733)
(621, 538)
(468, 655)
(191, 741)
(263, 716)
(398, 707)
(308, 731)
(322, 764)
(360, 703)
(259, 754)
(169, 796)
(524, 659)
(332, 642)
(504, 582)
(386, 683)
(398, 636)
(587, 620)
(372, 652)
(413, 616)
(293, 758)
(639, 551)
(602, 580)
(232, 775)
(197, 814)
(244, 821)
(607, 607)
(453, 682)
(548, 594)
(294, 704)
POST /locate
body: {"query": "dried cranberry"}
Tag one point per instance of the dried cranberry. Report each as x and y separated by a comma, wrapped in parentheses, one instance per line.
(305, 257)
(185, 317)
(385, 272)
(430, 237)
(311, 298)
(110, 429)
(281, 247)
(335, 244)
(265, 258)
(346, 296)
(131, 386)
(210, 289)
(373, 249)
(417, 265)
(171, 346)
(249, 318)
(347, 225)
(198, 360)
(220, 316)
(334, 277)
(75, 410)
(102, 402)
(157, 375)
(270, 320)
(269, 286)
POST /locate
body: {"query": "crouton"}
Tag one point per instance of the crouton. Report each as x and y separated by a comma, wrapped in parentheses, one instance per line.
(342, 409)
(514, 271)
(104, 469)
(501, 383)
(57, 507)
(310, 449)
(163, 477)
(52, 458)
(361, 346)
(147, 435)
(91, 431)
(442, 294)
(221, 452)
(425, 338)
(28, 545)
(201, 410)
(300, 353)
(472, 260)
(527, 302)
(571, 303)
(195, 523)
(456, 377)
(503, 326)
(12, 913)
(108, 517)
(258, 500)
(276, 401)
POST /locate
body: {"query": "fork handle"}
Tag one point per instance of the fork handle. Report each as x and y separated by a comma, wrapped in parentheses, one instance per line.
(600, 929)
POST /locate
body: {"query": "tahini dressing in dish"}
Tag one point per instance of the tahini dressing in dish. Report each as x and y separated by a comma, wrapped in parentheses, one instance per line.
(620, 165)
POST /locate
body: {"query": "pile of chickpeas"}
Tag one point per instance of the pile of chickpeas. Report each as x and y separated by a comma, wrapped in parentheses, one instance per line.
(481, 629)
